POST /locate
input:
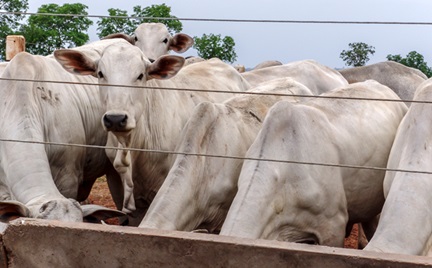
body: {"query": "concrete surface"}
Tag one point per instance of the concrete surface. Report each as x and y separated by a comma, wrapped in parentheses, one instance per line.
(41, 243)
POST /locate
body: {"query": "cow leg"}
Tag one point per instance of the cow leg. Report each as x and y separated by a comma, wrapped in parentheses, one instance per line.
(84, 189)
(115, 186)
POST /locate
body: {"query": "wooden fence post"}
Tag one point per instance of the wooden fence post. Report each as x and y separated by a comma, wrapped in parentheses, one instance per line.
(14, 45)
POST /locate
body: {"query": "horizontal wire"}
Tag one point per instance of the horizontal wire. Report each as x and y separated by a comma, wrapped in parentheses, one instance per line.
(209, 155)
(227, 20)
(221, 91)
(218, 156)
(216, 91)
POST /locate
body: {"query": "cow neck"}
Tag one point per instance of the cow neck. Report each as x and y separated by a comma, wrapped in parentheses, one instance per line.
(22, 163)
(158, 127)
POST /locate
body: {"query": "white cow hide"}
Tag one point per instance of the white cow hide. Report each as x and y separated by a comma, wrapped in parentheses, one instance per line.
(2, 67)
(267, 63)
(149, 118)
(199, 190)
(405, 225)
(313, 203)
(44, 179)
(401, 79)
(315, 76)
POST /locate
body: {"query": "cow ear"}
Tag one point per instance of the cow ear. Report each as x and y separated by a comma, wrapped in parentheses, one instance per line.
(96, 214)
(10, 210)
(181, 42)
(165, 67)
(75, 62)
(126, 37)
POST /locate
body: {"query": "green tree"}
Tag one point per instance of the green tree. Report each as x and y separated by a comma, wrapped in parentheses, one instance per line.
(358, 55)
(44, 34)
(158, 11)
(108, 26)
(209, 46)
(9, 24)
(414, 60)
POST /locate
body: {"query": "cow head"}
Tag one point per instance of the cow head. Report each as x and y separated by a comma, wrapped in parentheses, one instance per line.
(58, 209)
(154, 40)
(121, 64)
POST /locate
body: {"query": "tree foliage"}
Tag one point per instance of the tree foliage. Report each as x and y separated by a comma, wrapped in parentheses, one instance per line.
(108, 26)
(44, 34)
(9, 24)
(111, 25)
(414, 60)
(211, 45)
(358, 55)
(158, 11)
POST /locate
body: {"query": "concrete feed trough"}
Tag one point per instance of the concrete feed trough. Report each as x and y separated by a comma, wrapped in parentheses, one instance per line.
(41, 243)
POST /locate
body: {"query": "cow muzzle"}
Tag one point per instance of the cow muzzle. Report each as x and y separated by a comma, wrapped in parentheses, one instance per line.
(115, 122)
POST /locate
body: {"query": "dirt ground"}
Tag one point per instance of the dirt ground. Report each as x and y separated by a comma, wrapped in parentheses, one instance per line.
(100, 195)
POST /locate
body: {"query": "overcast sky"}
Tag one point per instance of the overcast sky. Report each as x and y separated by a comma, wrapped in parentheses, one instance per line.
(286, 42)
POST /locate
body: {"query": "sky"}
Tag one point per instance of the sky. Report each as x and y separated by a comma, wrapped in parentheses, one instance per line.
(259, 41)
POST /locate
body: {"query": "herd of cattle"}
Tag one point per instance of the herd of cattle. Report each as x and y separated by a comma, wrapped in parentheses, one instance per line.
(326, 138)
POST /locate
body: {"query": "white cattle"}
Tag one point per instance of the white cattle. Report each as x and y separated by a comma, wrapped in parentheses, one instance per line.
(148, 118)
(192, 59)
(315, 76)
(199, 190)
(267, 63)
(38, 180)
(155, 40)
(312, 203)
(240, 68)
(2, 67)
(405, 225)
(401, 79)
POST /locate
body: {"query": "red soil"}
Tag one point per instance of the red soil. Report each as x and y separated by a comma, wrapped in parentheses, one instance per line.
(100, 195)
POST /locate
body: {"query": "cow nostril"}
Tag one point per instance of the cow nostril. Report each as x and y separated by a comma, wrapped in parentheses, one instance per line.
(107, 122)
(115, 122)
(124, 121)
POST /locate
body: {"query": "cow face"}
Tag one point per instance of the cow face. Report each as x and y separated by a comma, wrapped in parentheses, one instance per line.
(64, 209)
(121, 69)
(154, 40)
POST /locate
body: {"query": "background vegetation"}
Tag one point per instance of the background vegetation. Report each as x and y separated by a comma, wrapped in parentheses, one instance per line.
(44, 34)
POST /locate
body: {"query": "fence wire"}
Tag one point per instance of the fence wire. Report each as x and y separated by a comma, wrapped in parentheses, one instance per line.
(217, 91)
(220, 91)
(218, 156)
(212, 155)
(417, 23)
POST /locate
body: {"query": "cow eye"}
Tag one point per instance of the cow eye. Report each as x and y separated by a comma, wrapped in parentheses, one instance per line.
(165, 40)
(136, 38)
(140, 77)
(100, 74)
